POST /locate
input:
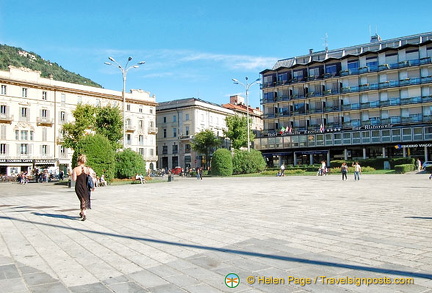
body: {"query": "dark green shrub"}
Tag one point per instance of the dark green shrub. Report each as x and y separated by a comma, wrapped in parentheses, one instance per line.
(100, 155)
(128, 164)
(245, 162)
(221, 163)
(401, 169)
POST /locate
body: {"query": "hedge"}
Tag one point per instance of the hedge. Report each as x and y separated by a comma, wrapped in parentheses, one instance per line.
(401, 169)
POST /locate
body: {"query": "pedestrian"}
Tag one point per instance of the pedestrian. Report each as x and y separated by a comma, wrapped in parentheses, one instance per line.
(357, 171)
(81, 175)
(418, 165)
(282, 170)
(344, 170)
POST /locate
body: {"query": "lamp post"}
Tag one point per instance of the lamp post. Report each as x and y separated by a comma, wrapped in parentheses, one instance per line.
(247, 86)
(124, 70)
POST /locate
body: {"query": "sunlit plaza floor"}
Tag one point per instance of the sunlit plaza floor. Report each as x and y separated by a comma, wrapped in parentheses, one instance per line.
(260, 234)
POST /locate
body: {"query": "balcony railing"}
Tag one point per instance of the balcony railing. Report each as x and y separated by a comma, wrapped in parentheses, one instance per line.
(152, 130)
(6, 118)
(361, 70)
(44, 121)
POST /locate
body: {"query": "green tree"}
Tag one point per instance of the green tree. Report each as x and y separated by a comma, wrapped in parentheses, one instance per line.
(205, 142)
(109, 122)
(221, 163)
(73, 132)
(245, 162)
(129, 163)
(106, 121)
(237, 131)
(100, 155)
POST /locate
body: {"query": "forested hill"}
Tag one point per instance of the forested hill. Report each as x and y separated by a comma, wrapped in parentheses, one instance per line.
(20, 58)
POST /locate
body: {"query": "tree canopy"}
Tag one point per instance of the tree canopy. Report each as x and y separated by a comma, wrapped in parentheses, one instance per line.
(106, 121)
(237, 131)
(205, 142)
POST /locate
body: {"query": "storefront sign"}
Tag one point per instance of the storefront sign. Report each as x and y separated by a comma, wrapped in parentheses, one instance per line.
(45, 162)
(406, 146)
(16, 161)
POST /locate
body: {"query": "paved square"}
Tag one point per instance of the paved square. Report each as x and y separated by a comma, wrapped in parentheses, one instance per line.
(277, 234)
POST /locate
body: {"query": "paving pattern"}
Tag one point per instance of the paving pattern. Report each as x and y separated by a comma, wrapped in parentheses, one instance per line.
(276, 234)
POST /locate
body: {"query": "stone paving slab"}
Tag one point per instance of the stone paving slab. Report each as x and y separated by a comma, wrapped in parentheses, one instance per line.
(276, 233)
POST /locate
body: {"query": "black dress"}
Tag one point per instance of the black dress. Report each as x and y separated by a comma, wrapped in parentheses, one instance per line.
(81, 190)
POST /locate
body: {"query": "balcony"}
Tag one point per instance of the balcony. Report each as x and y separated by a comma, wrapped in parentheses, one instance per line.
(185, 137)
(152, 130)
(6, 118)
(130, 128)
(44, 121)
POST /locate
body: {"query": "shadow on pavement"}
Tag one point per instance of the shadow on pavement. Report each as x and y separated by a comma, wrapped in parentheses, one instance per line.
(231, 251)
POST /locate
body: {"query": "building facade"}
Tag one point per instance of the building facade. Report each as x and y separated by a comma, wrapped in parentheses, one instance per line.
(33, 110)
(178, 121)
(363, 101)
(239, 107)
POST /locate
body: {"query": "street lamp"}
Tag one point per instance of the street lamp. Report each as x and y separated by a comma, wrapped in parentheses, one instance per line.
(247, 86)
(124, 70)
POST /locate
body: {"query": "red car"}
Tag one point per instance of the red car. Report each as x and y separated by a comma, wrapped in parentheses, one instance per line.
(177, 170)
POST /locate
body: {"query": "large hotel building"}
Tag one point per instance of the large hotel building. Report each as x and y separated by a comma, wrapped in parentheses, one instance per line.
(365, 101)
(33, 110)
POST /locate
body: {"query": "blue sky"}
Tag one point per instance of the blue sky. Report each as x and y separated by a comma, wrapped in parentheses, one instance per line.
(193, 48)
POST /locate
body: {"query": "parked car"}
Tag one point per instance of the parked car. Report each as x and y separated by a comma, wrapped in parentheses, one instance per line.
(426, 164)
(177, 170)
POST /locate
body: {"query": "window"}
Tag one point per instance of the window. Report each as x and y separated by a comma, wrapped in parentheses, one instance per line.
(24, 135)
(128, 107)
(24, 92)
(187, 130)
(44, 149)
(151, 110)
(164, 120)
(175, 149)
(3, 109)
(44, 113)
(31, 134)
(141, 151)
(63, 98)
(164, 133)
(24, 149)
(174, 118)
(188, 148)
(24, 112)
(151, 152)
(140, 109)
(141, 139)
(164, 150)
(187, 117)
(2, 149)
(372, 62)
(128, 139)
(353, 66)
(62, 116)
(62, 150)
(3, 89)
(44, 95)
(141, 124)
(174, 132)
(331, 69)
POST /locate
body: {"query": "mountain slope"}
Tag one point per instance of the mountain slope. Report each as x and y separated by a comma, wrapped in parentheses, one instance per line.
(20, 58)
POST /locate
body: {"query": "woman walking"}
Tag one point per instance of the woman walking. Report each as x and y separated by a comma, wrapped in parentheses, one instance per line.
(79, 175)
(344, 169)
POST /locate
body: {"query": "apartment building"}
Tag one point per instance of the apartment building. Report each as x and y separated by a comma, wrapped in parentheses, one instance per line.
(362, 101)
(178, 121)
(239, 107)
(33, 110)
